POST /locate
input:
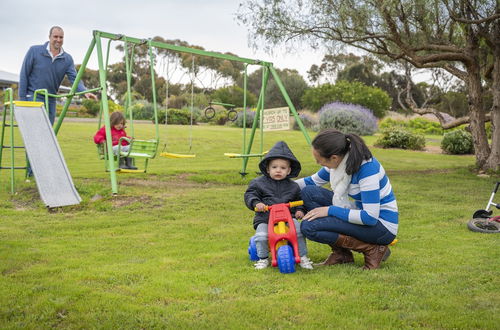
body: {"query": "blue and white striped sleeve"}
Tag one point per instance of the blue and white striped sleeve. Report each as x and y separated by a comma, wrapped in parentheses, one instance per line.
(319, 178)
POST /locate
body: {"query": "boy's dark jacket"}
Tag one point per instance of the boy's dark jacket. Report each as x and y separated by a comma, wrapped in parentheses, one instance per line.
(268, 191)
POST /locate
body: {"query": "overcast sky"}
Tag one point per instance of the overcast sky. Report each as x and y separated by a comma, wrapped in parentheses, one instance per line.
(207, 23)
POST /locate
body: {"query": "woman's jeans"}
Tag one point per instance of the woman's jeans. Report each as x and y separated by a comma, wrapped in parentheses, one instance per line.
(262, 244)
(326, 230)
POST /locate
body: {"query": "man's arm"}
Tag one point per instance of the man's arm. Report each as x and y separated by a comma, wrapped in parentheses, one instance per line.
(71, 74)
(23, 76)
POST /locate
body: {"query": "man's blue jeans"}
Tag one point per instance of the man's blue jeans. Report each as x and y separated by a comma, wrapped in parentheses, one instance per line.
(326, 230)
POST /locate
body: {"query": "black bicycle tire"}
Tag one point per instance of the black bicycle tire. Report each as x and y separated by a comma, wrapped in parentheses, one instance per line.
(481, 225)
(209, 112)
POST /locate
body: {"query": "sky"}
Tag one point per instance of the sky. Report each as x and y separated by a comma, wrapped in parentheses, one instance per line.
(211, 24)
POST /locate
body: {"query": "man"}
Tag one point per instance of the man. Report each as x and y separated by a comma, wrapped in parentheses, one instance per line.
(44, 67)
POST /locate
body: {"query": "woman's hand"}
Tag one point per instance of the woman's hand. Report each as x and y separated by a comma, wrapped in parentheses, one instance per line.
(318, 212)
(299, 215)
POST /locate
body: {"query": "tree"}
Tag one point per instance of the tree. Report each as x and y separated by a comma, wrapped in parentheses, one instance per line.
(294, 83)
(461, 37)
(348, 67)
(234, 95)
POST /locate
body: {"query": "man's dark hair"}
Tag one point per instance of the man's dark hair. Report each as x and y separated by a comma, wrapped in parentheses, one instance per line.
(54, 27)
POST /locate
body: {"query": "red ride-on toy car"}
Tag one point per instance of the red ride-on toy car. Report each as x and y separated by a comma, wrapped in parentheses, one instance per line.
(482, 220)
(282, 237)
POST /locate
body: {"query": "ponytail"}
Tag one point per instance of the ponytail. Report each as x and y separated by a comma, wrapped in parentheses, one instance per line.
(331, 142)
(358, 152)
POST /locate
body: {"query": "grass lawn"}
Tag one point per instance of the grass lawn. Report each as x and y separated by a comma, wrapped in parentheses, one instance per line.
(170, 251)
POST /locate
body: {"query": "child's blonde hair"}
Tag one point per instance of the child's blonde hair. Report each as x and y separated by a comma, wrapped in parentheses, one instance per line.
(117, 118)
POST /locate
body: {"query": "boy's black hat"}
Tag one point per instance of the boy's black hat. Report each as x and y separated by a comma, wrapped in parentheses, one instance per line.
(281, 150)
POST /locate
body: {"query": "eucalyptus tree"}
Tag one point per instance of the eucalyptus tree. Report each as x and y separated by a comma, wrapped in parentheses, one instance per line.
(461, 37)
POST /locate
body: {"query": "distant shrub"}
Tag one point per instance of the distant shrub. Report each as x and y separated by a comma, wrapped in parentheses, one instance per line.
(396, 137)
(391, 122)
(91, 107)
(418, 125)
(457, 142)
(488, 129)
(425, 126)
(250, 116)
(73, 110)
(348, 118)
(176, 117)
(220, 118)
(373, 98)
(308, 121)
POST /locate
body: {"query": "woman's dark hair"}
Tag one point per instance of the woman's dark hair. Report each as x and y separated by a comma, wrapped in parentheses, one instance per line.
(117, 118)
(331, 142)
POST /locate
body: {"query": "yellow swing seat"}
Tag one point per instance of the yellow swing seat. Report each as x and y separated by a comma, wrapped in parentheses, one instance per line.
(235, 155)
(172, 155)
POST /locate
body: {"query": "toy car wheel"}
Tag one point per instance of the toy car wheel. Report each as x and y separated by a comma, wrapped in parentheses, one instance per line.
(252, 249)
(232, 115)
(482, 225)
(286, 260)
(209, 112)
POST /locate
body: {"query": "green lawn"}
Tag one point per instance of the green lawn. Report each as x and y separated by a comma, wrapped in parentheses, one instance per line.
(170, 251)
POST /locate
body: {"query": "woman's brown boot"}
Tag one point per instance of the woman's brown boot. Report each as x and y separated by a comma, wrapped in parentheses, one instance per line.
(339, 255)
(373, 253)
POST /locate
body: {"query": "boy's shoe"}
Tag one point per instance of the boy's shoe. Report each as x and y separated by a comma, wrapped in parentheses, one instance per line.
(262, 263)
(306, 263)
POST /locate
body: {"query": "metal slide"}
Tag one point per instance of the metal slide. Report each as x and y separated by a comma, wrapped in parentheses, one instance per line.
(53, 179)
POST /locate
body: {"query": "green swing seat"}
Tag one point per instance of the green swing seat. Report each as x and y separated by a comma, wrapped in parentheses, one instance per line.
(139, 149)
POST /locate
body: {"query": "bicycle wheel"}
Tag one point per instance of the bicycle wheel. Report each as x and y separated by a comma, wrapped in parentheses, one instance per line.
(252, 249)
(209, 112)
(232, 115)
(486, 226)
(286, 260)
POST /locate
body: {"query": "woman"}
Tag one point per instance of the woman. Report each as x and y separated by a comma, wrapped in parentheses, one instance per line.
(366, 225)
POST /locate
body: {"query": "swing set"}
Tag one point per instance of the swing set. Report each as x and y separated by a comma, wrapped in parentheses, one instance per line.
(148, 149)
(138, 149)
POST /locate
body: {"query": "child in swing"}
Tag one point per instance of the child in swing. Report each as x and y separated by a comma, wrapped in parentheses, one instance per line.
(117, 121)
(275, 186)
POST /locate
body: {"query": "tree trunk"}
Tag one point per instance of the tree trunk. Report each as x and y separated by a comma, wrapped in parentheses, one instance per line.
(493, 161)
(477, 128)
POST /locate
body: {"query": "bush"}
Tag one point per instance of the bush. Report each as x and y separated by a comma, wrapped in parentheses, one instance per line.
(355, 92)
(348, 118)
(457, 142)
(400, 138)
(250, 116)
(73, 110)
(308, 121)
(91, 107)
(220, 118)
(425, 126)
(176, 117)
(417, 125)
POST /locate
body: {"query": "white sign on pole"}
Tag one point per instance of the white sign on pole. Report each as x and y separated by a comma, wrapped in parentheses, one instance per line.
(276, 119)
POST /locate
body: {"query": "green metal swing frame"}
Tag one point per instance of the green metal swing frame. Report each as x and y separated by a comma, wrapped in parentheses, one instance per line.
(96, 43)
(138, 149)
